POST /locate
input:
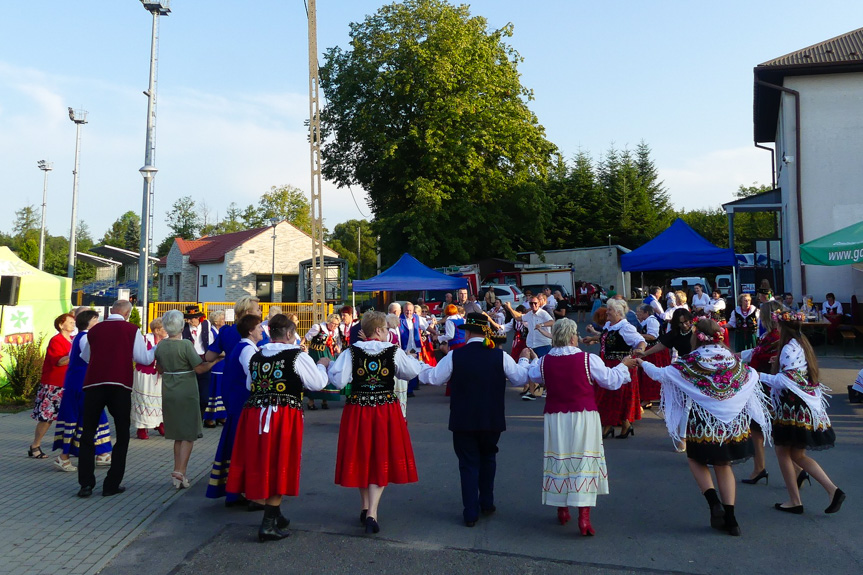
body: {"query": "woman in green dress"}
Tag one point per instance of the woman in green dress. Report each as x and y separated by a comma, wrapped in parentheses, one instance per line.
(323, 341)
(178, 363)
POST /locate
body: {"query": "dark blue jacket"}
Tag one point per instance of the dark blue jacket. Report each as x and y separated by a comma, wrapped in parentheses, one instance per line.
(477, 389)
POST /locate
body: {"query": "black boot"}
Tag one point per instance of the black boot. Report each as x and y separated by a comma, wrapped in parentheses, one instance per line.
(717, 513)
(731, 522)
(282, 522)
(268, 530)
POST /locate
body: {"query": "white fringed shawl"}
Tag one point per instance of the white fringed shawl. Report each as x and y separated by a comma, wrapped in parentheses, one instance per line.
(723, 392)
(794, 376)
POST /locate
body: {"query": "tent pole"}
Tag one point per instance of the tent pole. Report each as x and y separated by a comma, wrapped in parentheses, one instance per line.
(734, 278)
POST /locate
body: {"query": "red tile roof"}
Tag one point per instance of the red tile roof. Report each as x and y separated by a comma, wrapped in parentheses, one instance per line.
(214, 248)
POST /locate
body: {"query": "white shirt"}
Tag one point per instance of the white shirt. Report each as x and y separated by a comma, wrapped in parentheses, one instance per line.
(836, 307)
(448, 329)
(700, 300)
(340, 371)
(246, 357)
(651, 326)
(627, 331)
(198, 339)
(532, 320)
(314, 377)
(140, 353)
(657, 307)
(607, 377)
(715, 305)
(550, 305)
(516, 373)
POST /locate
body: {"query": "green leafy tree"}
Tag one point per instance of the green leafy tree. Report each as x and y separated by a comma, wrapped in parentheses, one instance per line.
(427, 113)
(183, 221)
(125, 232)
(27, 223)
(344, 239)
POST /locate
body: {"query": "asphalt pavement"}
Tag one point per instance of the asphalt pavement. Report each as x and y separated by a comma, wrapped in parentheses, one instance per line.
(653, 521)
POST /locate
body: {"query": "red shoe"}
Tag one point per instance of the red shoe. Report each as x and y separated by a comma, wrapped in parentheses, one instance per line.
(142, 434)
(161, 429)
(563, 515)
(584, 521)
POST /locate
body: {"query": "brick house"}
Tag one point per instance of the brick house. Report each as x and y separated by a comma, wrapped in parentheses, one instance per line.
(223, 268)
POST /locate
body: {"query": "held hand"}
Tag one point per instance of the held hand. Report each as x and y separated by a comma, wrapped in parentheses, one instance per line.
(324, 361)
(526, 353)
(630, 362)
(639, 353)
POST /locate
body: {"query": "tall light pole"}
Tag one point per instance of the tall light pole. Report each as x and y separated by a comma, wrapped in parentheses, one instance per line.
(46, 167)
(318, 295)
(274, 221)
(160, 8)
(80, 118)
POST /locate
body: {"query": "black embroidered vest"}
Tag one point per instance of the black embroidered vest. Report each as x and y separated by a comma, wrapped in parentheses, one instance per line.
(613, 345)
(373, 377)
(275, 380)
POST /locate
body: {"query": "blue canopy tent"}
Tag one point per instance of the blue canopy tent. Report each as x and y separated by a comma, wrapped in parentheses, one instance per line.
(678, 247)
(409, 274)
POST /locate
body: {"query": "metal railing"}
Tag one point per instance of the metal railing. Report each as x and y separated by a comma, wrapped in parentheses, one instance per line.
(304, 311)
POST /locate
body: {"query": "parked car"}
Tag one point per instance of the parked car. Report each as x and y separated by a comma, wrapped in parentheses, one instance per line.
(724, 285)
(505, 293)
(677, 283)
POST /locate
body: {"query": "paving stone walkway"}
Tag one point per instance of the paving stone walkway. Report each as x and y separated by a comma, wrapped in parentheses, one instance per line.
(47, 529)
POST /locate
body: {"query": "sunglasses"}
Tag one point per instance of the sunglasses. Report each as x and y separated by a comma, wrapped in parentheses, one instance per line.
(534, 303)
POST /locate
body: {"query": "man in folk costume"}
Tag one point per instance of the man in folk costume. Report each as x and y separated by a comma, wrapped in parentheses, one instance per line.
(477, 373)
(110, 348)
(197, 330)
(347, 327)
(411, 327)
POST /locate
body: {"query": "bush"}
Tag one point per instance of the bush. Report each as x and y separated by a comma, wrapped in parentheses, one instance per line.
(24, 370)
(135, 317)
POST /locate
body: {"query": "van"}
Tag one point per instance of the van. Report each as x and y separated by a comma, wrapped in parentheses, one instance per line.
(724, 285)
(677, 283)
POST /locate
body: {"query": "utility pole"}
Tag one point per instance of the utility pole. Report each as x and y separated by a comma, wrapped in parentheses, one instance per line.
(46, 167)
(359, 227)
(317, 295)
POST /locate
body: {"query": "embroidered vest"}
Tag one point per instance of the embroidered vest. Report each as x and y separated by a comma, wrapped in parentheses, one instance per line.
(613, 345)
(373, 377)
(275, 380)
(322, 341)
(748, 323)
(567, 379)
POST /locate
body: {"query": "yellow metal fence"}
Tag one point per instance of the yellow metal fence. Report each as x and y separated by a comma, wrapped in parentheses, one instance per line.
(304, 311)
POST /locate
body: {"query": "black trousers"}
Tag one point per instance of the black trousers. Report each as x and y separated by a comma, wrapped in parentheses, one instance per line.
(203, 390)
(118, 400)
(477, 463)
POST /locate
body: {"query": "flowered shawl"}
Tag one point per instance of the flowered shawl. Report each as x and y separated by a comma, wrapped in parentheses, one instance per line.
(794, 376)
(713, 382)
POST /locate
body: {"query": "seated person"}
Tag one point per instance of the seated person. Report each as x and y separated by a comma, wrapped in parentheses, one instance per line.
(788, 302)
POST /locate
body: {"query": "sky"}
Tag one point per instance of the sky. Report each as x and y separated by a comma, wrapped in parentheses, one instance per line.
(233, 94)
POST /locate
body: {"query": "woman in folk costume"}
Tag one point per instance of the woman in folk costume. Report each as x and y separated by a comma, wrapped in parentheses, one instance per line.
(453, 337)
(574, 469)
(265, 464)
(760, 359)
(715, 310)
(147, 388)
(744, 322)
(619, 339)
(374, 447)
(323, 341)
(410, 329)
(710, 398)
(427, 355)
(215, 410)
(236, 371)
(519, 339)
(800, 420)
(67, 434)
(649, 389)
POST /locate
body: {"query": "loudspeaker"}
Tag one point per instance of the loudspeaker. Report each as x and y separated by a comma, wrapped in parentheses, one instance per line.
(9, 287)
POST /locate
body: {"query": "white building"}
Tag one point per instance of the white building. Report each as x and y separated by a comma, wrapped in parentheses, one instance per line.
(223, 268)
(809, 105)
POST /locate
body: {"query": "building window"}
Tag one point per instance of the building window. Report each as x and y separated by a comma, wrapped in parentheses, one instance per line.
(203, 281)
(170, 281)
(220, 280)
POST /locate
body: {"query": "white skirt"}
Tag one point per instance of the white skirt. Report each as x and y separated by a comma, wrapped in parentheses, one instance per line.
(401, 391)
(146, 400)
(574, 470)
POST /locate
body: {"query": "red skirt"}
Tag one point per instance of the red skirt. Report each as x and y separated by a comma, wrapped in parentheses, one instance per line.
(649, 389)
(427, 353)
(618, 405)
(518, 345)
(374, 447)
(268, 463)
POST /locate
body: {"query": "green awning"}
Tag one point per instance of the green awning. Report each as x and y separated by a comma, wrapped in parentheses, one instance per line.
(841, 248)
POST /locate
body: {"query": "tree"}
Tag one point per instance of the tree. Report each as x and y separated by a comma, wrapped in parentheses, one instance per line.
(427, 113)
(125, 232)
(285, 203)
(183, 221)
(27, 223)
(344, 241)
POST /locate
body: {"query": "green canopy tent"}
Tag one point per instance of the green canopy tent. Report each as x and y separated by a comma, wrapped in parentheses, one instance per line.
(840, 248)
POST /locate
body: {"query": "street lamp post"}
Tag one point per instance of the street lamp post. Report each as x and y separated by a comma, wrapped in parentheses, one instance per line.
(80, 118)
(46, 167)
(273, 222)
(160, 8)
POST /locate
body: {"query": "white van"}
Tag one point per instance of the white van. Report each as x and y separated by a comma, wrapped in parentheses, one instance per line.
(677, 283)
(724, 285)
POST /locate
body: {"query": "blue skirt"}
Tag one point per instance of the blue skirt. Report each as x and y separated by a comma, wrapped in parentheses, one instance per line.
(215, 404)
(222, 460)
(67, 433)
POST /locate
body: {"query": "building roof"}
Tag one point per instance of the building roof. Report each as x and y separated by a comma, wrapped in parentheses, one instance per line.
(839, 55)
(213, 248)
(769, 201)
